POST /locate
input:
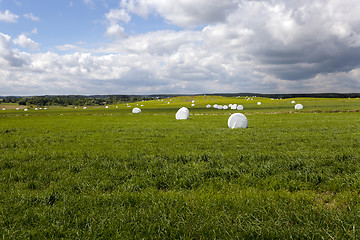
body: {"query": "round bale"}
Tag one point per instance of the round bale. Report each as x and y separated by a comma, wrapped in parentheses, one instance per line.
(299, 106)
(237, 120)
(182, 114)
(136, 110)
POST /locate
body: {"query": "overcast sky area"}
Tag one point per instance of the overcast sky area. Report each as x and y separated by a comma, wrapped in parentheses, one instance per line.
(178, 46)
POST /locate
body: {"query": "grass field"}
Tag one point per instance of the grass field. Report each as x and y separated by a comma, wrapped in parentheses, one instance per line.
(99, 173)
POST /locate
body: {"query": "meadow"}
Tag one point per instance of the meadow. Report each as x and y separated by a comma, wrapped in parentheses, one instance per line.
(99, 173)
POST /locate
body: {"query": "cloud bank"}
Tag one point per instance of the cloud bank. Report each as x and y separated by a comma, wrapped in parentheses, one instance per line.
(272, 46)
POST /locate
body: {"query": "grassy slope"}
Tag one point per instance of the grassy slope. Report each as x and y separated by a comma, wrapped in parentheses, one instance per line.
(106, 173)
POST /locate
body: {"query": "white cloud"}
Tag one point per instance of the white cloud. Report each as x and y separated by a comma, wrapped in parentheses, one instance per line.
(31, 17)
(154, 43)
(23, 41)
(7, 16)
(117, 15)
(114, 18)
(115, 30)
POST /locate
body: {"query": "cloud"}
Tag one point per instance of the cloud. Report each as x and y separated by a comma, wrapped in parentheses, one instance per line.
(154, 43)
(183, 13)
(115, 30)
(31, 17)
(25, 42)
(298, 40)
(8, 57)
(117, 15)
(247, 46)
(114, 19)
(7, 16)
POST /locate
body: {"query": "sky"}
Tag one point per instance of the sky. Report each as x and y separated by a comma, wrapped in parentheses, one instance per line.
(65, 47)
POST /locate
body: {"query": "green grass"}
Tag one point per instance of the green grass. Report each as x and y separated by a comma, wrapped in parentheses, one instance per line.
(108, 174)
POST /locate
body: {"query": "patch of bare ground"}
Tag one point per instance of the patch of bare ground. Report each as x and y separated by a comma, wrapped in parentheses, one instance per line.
(8, 107)
(328, 201)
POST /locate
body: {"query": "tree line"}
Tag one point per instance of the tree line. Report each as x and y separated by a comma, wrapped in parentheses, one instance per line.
(74, 100)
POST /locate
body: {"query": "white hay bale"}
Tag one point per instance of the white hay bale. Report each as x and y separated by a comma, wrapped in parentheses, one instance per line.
(220, 107)
(182, 114)
(36, 109)
(45, 108)
(4, 109)
(225, 107)
(240, 107)
(208, 106)
(136, 110)
(193, 105)
(17, 108)
(299, 106)
(259, 103)
(292, 101)
(215, 106)
(106, 106)
(25, 109)
(237, 120)
(233, 106)
(117, 107)
(84, 107)
(193, 101)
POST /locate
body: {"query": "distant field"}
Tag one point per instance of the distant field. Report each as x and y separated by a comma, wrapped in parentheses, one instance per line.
(101, 173)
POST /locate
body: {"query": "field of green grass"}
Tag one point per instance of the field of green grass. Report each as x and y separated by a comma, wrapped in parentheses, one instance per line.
(99, 173)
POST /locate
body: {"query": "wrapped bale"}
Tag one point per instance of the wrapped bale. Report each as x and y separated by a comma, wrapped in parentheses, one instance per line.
(299, 106)
(182, 114)
(237, 120)
(136, 110)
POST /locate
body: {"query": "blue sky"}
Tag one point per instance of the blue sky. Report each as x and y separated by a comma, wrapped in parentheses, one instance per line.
(178, 46)
(60, 21)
